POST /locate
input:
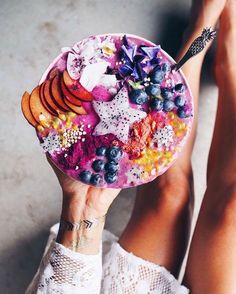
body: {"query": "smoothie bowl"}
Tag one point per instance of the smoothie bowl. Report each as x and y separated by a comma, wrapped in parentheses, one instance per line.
(110, 111)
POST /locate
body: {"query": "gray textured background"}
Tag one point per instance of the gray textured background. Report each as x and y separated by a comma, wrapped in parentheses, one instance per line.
(32, 33)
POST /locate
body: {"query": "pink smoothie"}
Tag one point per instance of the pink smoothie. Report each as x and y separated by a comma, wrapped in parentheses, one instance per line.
(133, 112)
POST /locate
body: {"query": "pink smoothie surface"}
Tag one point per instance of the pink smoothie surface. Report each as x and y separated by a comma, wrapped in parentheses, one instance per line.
(137, 118)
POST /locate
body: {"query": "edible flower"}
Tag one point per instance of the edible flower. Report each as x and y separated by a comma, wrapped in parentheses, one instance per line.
(131, 61)
(151, 53)
(135, 59)
(108, 47)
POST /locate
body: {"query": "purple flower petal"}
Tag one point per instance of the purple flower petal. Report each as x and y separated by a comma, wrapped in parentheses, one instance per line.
(135, 74)
(133, 58)
(151, 52)
(141, 73)
(138, 58)
(127, 52)
(125, 70)
(126, 59)
(130, 52)
(125, 41)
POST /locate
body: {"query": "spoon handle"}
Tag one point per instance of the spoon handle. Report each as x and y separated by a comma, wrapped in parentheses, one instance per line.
(196, 47)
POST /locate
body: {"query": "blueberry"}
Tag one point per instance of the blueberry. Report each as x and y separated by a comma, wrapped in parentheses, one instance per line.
(153, 90)
(96, 179)
(181, 113)
(98, 165)
(110, 177)
(138, 96)
(114, 153)
(167, 93)
(168, 105)
(111, 166)
(156, 104)
(157, 75)
(179, 87)
(85, 176)
(179, 101)
(166, 67)
(101, 151)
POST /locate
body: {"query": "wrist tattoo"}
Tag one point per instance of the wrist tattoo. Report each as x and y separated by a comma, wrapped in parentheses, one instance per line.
(80, 243)
(83, 224)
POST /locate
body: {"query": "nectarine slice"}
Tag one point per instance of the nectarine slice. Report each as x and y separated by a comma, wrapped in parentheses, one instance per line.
(25, 106)
(48, 97)
(57, 94)
(52, 73)
(37, 107)
(44, 102)
(74, 108)
(71, 98)
(75, 88)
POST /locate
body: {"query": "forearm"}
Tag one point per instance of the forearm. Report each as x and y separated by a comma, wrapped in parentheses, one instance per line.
(74, 261)
(81, 228)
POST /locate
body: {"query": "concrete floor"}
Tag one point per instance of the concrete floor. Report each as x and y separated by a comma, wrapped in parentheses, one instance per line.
(32, 33)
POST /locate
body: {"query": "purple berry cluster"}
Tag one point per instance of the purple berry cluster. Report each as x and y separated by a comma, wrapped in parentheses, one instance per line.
(161, 98)
(169, 98)
(105, 167)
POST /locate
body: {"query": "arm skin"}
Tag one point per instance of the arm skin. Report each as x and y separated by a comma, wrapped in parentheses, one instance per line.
(82, 202)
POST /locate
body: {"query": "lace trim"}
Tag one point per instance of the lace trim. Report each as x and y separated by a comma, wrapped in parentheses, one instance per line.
(63, 271)
(125, 273)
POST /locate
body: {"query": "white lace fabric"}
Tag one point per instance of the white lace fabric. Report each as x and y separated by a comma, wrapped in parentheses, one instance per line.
(125, 273)
(63, 271)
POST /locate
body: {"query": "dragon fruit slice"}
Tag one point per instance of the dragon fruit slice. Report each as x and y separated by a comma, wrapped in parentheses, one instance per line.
(91, 74)
(74, 65)
(108, 81)
(116, 116)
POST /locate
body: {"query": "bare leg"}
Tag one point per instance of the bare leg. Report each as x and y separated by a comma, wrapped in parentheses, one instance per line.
(211, 266)
(158, 230)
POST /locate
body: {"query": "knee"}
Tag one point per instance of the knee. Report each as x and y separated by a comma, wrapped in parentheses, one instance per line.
(222, 212)
(177, 198)
(173, 197)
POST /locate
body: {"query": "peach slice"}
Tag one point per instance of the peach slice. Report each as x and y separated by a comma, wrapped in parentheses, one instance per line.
(57, 95)
(77, 109)
(69, 97)
(75, 88)
(37, 107)
(25, 106)
(44, 102)
(52, 73)
(48, 98)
